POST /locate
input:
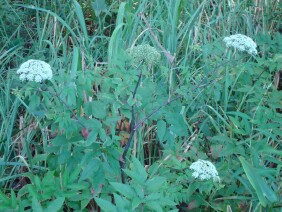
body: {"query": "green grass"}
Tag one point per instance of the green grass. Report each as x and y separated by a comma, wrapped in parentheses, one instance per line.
(62, 141)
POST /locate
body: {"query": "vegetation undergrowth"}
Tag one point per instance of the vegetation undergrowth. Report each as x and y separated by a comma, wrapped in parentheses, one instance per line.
(146, 106)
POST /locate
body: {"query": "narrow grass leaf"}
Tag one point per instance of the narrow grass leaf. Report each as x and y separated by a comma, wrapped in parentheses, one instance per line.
(113, 45)
(74, 64)
(80, 16)
(120, 14)
(55, 15)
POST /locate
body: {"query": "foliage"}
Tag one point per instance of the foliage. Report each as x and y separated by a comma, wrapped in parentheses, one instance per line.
(118, 131)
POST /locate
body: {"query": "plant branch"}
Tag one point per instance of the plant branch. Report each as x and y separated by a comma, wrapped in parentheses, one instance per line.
(132, 131)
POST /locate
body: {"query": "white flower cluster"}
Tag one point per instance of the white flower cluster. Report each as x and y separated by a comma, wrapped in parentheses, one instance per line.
(242, 43)
(145, 53)
(35, 70)
(204, 170)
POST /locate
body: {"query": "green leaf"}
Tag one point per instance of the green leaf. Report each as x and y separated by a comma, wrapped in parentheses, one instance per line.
(81, 20)
(13, 199)
(3, 197)
(74, 64)
(154, 205)
(265, 194)
(124, 189)
(122, 203)
(99, 109)
(90, 169)
(34, 102)
(135, 176)
(55, 15)
(161, 129)
(121, 12)
(92, 124)
(130, 100)
(56, 204)
(105, 205)
(114, 44)
(36, 205)
(100, 6)
(138, 171)
(155, 183)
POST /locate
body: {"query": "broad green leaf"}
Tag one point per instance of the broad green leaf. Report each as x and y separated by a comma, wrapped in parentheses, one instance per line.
(122, 204)
(140, 169)
(56, 204)
(135, 176)
(36, 205)
(161, 129)
(155, 183)
(99, 109)
(130, 100)
(78, 186)
(153, 197)
(124, 189)
(136, 202)
(3, 197)
(154, 205)
(90, 169)
(106, 205)
(265, 194)
(92, 124)
(84, 195)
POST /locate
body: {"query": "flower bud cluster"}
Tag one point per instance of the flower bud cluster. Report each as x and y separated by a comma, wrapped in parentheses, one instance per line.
(146, 53)
(204, 170)
(242, 43)
(35, 70)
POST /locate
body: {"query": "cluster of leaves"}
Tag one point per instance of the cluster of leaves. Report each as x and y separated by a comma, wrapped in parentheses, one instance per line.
(62, 141)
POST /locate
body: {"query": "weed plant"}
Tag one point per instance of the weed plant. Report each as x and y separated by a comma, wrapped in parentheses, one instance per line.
(146, 106)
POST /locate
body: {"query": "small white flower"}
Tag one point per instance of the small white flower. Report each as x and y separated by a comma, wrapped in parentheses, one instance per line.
(35, 70)
(204, 170)
(242, 43)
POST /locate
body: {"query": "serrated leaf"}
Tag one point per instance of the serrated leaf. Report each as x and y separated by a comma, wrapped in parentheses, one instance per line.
(123, 189)
(122, 203)
(154, 205)
(137, 172)
(155, 183)
(105, 205)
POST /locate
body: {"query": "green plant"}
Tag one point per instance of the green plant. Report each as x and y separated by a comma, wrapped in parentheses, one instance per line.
(118, 130)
